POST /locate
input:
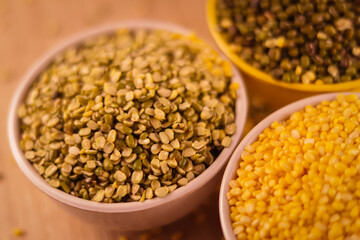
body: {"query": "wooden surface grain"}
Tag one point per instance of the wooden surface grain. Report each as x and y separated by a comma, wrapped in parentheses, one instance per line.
(29, 28)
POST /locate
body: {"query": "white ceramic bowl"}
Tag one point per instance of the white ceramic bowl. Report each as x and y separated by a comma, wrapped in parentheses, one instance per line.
(131, 215)
(251, 137)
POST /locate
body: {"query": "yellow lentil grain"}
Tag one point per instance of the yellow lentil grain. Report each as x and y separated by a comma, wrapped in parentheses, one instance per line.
(301, 178)
(17, 232)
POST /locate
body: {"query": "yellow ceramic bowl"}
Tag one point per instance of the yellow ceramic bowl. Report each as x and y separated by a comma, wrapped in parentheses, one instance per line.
(274, 92)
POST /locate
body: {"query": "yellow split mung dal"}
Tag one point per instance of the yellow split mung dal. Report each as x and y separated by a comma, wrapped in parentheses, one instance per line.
(301, 178)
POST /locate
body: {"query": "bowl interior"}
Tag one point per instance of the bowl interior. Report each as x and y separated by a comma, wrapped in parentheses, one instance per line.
(251, 137)
(262, 76)
(35, 178)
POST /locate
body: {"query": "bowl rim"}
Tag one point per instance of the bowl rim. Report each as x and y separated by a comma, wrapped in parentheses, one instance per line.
(230, 171)
(262, 76)
(241, 109)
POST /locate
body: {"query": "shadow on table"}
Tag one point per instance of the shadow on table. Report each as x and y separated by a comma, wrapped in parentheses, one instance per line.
(203, 223)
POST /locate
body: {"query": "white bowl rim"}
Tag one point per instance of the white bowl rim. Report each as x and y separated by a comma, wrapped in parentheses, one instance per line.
(230, 171)
(124, 207)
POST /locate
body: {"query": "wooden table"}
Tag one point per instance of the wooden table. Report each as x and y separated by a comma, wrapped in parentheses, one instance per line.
(29, 28)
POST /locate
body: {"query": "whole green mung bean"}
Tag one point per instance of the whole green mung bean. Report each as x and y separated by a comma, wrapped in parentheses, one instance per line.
(128, 116)
(278, 37)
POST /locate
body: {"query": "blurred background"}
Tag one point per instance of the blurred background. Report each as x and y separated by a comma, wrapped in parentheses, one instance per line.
(28, 29)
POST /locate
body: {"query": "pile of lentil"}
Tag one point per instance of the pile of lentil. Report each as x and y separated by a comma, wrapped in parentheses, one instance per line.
(295, 41)
(129, 116)
(301, 178)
